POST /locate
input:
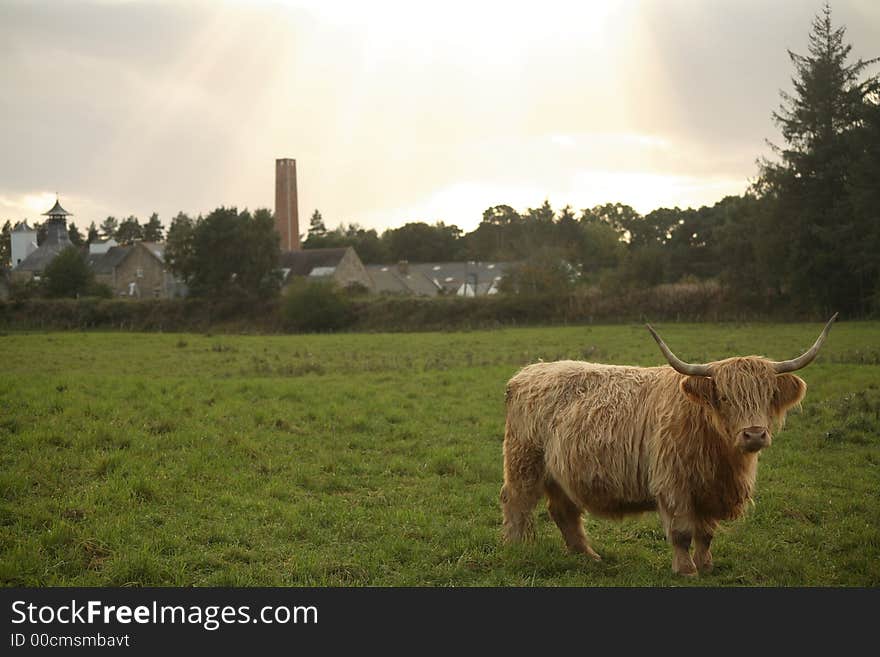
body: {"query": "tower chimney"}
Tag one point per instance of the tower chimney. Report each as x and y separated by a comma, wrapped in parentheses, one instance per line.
(286, 211)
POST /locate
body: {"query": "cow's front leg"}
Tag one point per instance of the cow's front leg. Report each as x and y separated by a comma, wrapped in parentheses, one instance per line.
(702, 551)
(681, 556)
(680, 532)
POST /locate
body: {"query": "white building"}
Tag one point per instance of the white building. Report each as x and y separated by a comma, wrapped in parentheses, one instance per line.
(24, 242)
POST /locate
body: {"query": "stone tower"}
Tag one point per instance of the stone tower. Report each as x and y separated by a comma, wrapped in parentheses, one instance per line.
(286, 210)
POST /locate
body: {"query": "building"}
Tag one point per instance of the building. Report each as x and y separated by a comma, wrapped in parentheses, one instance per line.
(468, 278)
(102, 246)
(137, 271)
(400, 279)
(57, 239)
(24, 242)
(341, 266)
(286, 206)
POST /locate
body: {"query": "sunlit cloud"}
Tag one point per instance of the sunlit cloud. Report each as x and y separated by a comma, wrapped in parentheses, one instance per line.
(463, 203)
(394, 111)
(33, 205)
(646, 191)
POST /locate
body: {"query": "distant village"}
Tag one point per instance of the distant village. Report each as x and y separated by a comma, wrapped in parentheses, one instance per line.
(138, 269)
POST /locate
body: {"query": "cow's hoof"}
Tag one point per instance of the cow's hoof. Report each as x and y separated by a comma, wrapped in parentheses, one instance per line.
(585, 550)
(686, 569)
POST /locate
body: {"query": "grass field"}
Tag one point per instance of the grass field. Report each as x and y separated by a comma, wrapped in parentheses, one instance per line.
(171, 459)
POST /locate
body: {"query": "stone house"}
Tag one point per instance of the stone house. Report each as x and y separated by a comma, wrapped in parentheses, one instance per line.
(341, 266)
(137, 271)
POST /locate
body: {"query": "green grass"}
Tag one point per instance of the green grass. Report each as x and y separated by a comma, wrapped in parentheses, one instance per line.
(158, 459)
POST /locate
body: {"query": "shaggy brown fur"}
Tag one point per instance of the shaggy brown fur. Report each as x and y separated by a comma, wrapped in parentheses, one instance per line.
(616, 440)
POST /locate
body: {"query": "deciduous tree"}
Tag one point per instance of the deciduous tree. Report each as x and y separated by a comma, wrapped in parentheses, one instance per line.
(68, 275)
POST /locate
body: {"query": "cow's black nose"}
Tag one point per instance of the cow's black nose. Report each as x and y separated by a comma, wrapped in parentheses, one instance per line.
(755, 434)
(754, 439)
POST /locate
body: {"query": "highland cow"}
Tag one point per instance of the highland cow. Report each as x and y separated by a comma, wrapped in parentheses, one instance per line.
(612, 440)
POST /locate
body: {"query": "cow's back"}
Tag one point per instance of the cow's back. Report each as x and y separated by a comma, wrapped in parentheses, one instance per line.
(591, 421)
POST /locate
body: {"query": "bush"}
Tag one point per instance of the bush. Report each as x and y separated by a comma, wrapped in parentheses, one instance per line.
(22, 290)
(68, 275)
(100, 290)
(319, 307)
(312, 307)
(541, 274)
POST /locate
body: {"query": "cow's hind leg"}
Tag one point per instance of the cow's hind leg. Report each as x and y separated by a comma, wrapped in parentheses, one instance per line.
(523, 480)
(567, 516)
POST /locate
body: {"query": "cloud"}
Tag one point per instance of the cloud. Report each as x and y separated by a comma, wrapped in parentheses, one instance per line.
(32, 205)
(393, 110)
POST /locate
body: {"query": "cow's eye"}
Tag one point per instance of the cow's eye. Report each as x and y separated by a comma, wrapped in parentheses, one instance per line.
(723, 400)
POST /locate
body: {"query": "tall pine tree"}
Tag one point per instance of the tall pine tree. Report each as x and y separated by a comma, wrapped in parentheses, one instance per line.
(153, 229)
(812, 235)
(317, 229)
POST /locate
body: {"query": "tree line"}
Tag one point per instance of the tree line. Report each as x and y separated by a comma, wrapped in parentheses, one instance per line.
(806, 234)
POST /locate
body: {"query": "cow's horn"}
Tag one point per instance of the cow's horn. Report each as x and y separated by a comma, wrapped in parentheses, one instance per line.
(805, 359)
(677, 363)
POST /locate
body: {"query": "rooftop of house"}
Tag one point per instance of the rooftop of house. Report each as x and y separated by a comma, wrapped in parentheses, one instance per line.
(156, 248)
(449, 275)
(389, 280)
(303, 263)
(106, 262)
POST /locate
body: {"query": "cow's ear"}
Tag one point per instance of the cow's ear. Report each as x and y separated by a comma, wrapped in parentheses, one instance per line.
(699, 389)
(790, 390)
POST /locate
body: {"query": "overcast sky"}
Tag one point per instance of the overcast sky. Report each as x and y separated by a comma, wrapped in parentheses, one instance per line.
(394, 111)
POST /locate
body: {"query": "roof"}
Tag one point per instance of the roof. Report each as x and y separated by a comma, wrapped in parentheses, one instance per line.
(388, 279)
(449, 276)
(301, 263)
(56, 241)
(106, 263)
(57, 211)
(22, 227)
(318, 272)
(157, 249)
(40, 259)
